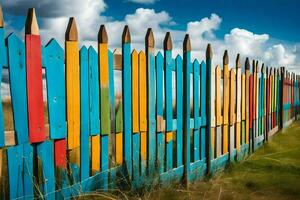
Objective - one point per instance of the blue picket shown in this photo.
(94, 92)
(84, 115)
(127, 112)
(168, 66)
(53, 60)
(179, 108)
(151, 112)
(196, 100)
(104, 161)
(17, 77)
(45, 153)
(203, 109)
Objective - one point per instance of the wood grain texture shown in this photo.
(17, 78)
(34, 89)
(56, 93)
(73, 93)
(104, 76)
(135, 92)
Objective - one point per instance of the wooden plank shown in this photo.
(187, 68)
(55, 79)
(143, 104)
(159, 62)
(196, 106)
(15, 171)
(238, 103)
(104, 76)
(168, 66)
(232, 112)
(243, 138)
(3, 62)
(17, 78)
(84, 115)
(45, 154)
(203, 110)
(179, 111)
(34, 80)
(94, 93)
(219, 118)
(136, 158)
(209, 105)
(72, 85)
(135, 91)
(60, 153)
(126, 78)
(225, 102)
(95, 155)
(247, 104)
(150, 62)
(104, 161)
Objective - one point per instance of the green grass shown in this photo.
(272, 172)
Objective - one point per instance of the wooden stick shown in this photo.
(1, 18)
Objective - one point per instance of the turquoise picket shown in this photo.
(53, 60)
(203, 110)
(179, 110)
(45, 153)
(159, 62)
(94, 92)
(136, 158)
(15, 171)
(168, 66)
(196, 135)
(151, 112)
(3, 62)
(104, 164)
(187, 68)
(84, 115)
(127, 112)
(111, 91)
(17, 77)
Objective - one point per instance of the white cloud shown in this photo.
(143, 1)
(89, 15)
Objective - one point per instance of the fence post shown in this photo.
(247, 68)
(225, 101)
(186, 107)
(282, 75)
(127, 113)
(209, 117)
(104, 75)
(150, 62)
(168, 100)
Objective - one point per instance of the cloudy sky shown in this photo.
(265, 30)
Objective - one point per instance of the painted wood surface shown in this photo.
(3, 62)
(35, 102)
(56, 98)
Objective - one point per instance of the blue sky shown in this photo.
(265, 30)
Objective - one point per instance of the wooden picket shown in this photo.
(101, 138)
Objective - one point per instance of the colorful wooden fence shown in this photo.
(97, 138)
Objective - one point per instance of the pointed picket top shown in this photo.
(256, 65)
(71, 32)
(187, 43)
(271, 71)
(102, 35)
(31, 25)
(209, 53)
(253, 65)
(149, 40)
(267, 71)
(168, 42)
(126, 38)
(1, 18)
(247, 64)
(237, 61)
(225, 58)
(263, 68)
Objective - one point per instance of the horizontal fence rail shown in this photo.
(175, 119)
